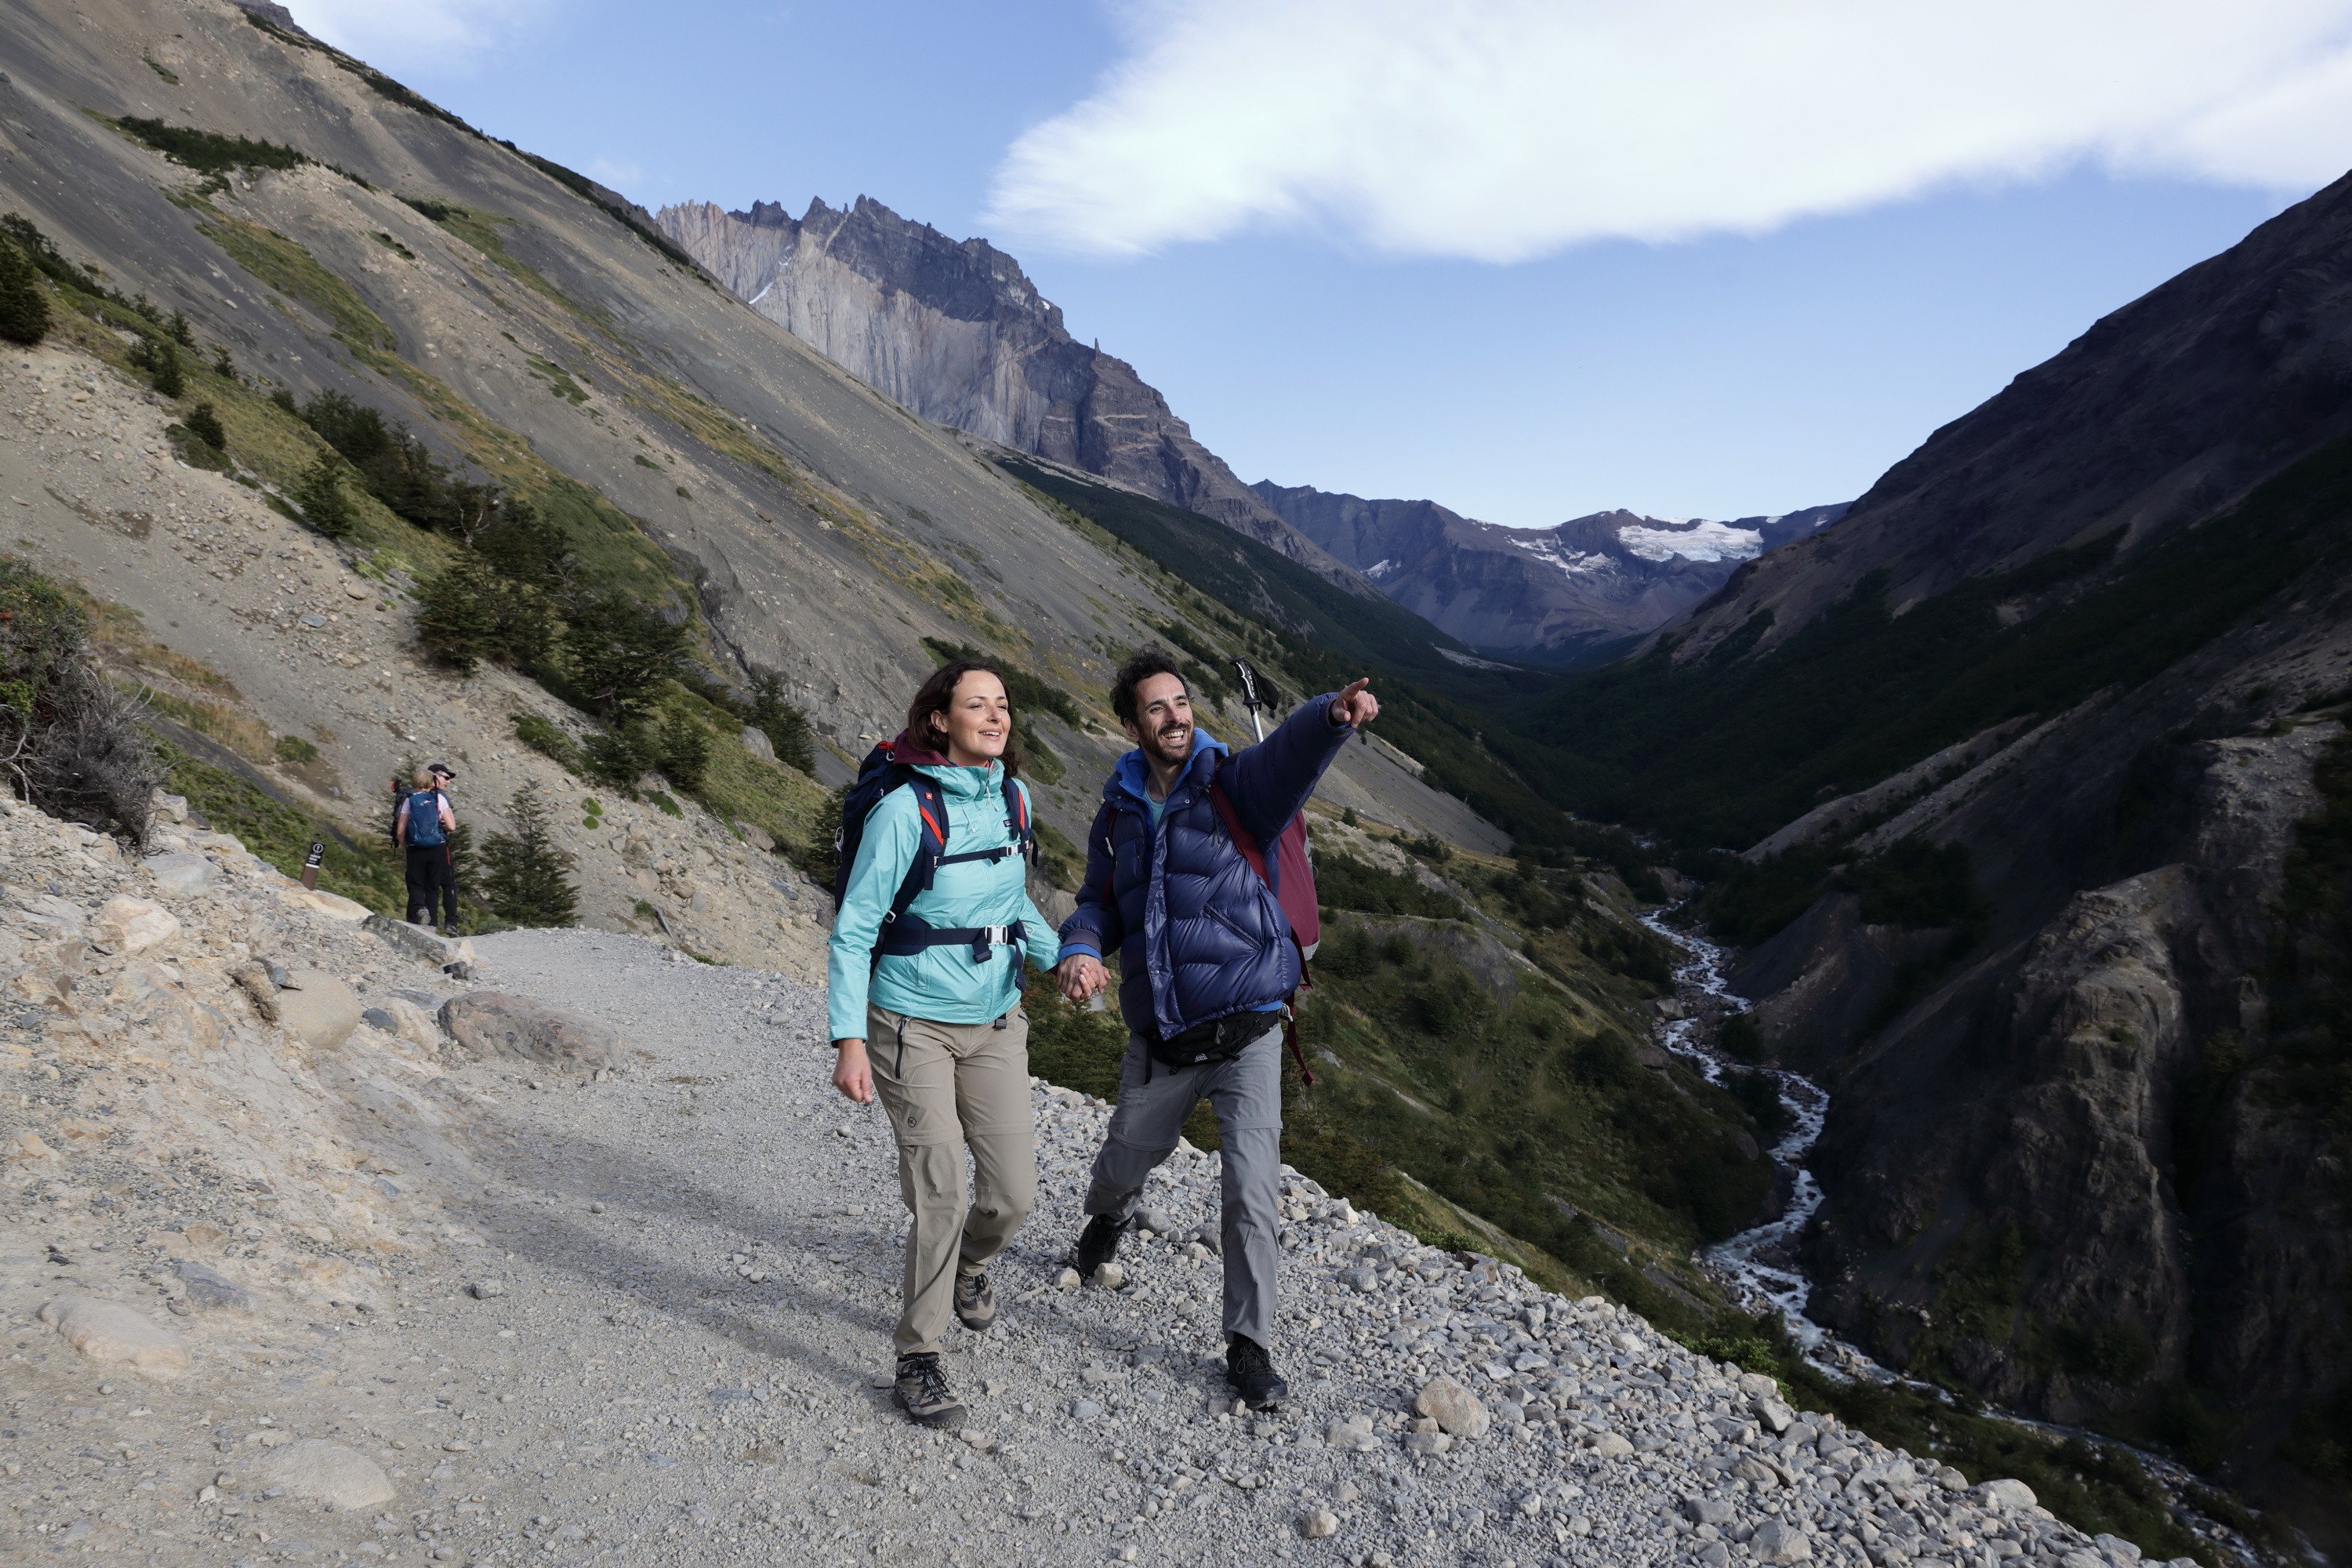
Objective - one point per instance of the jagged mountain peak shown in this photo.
(1565, 593)
(955, 331)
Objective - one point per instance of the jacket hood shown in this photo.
(955, 780)
(1132, 775)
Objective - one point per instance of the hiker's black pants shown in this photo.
(430, 871)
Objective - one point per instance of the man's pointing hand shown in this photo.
(1355, 705)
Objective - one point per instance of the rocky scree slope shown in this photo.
(2163, 413)
(958, 333)
(1570, 594)
(597, 1267)
(252, 631)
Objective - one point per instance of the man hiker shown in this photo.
(1207, 963)
(422, 828)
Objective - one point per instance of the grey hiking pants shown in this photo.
(1246, 1093)
(949, 1088)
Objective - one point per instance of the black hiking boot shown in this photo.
(923, 1394)
(1250, 1372)
(1098, 1244)
(975, 1302)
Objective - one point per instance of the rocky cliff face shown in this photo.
(1558, 594)
(2086, 1154)
(958, 333)
(2160, 415)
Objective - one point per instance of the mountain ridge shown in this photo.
(955, 331)
(1572, 593)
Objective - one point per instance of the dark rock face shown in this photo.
(1558, 594)
(2162, 413)
(957, 332)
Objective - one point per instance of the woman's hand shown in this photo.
(852, 1073)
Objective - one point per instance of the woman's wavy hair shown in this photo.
(937, 692)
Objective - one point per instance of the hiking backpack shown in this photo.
(1290, 874)
(424, 826)
(889, 767)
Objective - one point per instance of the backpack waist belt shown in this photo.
(912, 933)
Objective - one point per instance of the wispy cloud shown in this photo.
(412, 31)
(1507, 129)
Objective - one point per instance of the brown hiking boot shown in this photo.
(923, 1393)
(975, 1302)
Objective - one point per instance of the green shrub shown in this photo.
(208, 151)
(1344, 882)
(785, 723)
(23, 303)
(320, 493)
(683, 752)
(163, 369)
(542, 736)
(294, 750)
(620, 652)
(457, 614)
(526, 876)
(204, 425)
(620, 755)
(72, 745)
(179, 331)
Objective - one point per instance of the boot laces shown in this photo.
(930, 1383)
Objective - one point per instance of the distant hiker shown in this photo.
(933, 927)
(422, 828)
(1206, 959)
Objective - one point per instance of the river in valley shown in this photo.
(1758, 1267)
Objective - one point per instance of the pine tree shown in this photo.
(785, 723)
(23, 304)
(457, 614)
(526, 878)
(320, 493)
(204, 425)
(166, 358)
(181, 334)
(684, 752)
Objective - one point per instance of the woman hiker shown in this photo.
(924, 976)
(422, 828)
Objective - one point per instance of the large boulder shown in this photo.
(334, 905)
(329, 1473)
(134, 925)
(111, 1332)
(1455, 1408)
(318, 1008)
(490, 1024)
(182, 873)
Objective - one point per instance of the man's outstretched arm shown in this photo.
(1269, 782)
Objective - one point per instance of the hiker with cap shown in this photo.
(934, 926)
(1207, 962)
(422, 828)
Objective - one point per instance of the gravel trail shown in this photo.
(654, 1329)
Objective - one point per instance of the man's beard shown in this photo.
(1161, 747)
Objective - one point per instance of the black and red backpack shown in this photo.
(897, 764)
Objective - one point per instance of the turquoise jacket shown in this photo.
(940, 984)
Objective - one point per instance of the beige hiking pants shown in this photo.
(949, 1088)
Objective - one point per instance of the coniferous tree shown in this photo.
(684, 748)
(526, 876)
(785, 723)
(23, 304)
(204, 425)
(163, 359)
(320, 493)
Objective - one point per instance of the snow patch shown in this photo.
(1700, 542)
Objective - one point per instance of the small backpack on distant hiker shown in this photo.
(891, 766)
(424, 819)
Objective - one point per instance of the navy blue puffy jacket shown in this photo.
(1199, 936)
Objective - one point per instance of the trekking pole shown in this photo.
(1249, 695)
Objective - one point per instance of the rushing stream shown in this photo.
(1758, 1267)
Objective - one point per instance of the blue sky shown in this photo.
(1681, 282)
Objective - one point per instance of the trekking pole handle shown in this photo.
(1249, 695)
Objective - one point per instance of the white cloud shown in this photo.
(414, 31)
(1507, 129)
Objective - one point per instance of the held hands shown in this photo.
(1355, 705)
(852, 1073)
(1081, 977)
